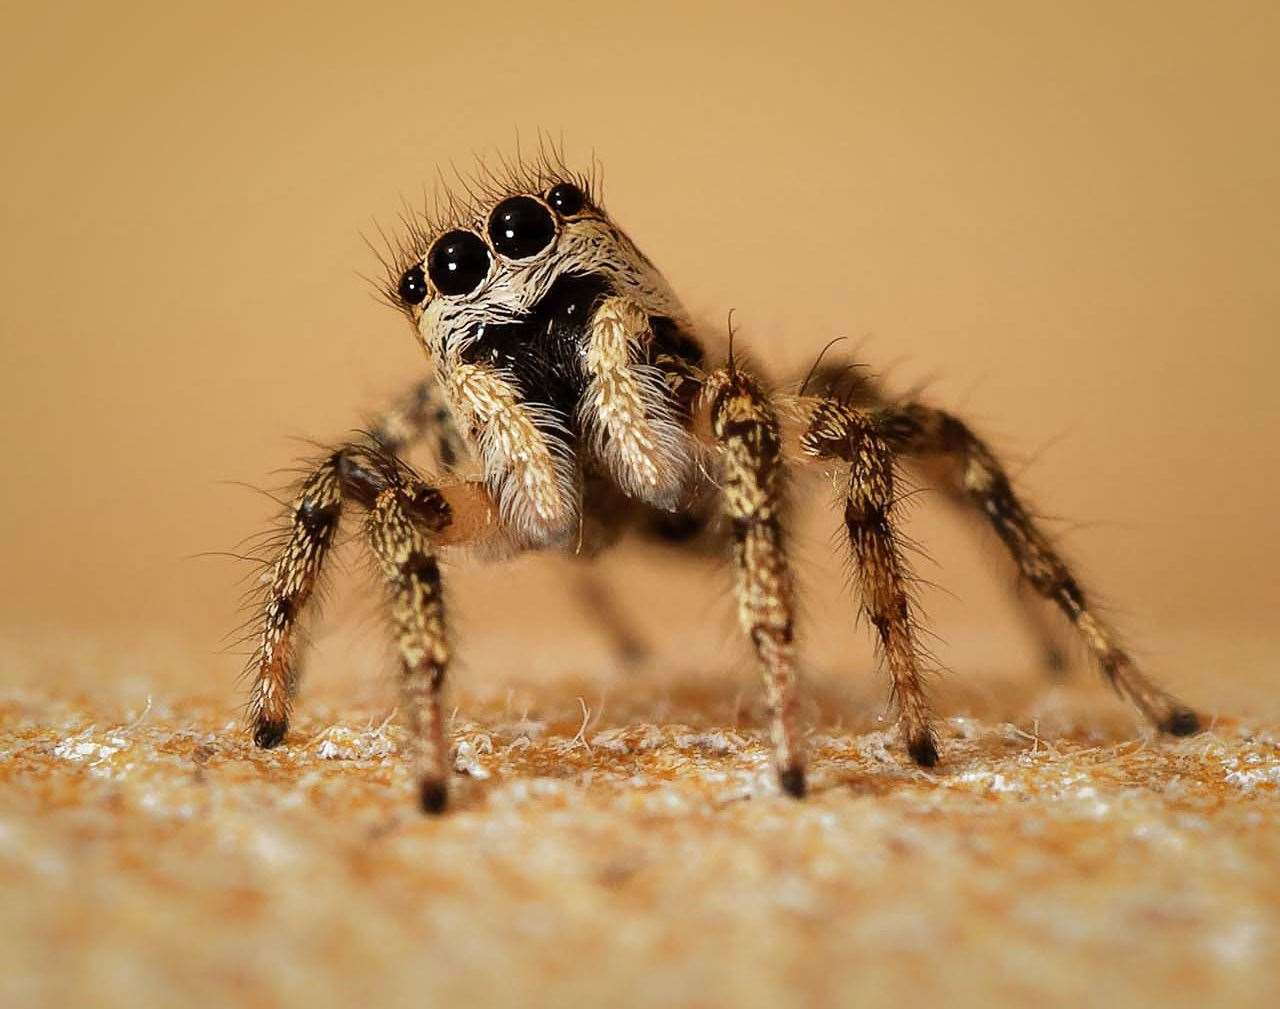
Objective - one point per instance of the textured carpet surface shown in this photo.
(620, 842)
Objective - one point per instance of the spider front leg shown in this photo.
(294, 573)
(745, 431)
(852, 436)
(412, 572)
(406, 520)
(925, 431)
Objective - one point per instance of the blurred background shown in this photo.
(1063, 217)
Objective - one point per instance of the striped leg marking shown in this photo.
(746, 433)
(405, 519)
(923, 430)
(293, 578)
(417, 612)
(852, 436)
(854, 387)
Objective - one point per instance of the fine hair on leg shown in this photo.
(412, 574)
(746, 434)
(405, 518)
(922, 430)
(855, 386)
(852, 436)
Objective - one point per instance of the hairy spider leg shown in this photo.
(922, 430)
(406, 520)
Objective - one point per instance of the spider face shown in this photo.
(496, 261)
(506, 296)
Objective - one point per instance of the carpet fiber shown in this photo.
(623, 843)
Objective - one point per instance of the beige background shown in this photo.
(1063, 215)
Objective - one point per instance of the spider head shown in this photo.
(519, 294)
(495, 260)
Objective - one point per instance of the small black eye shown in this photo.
(520, 227)
(413, 286)
(457, 262)
(566, 198)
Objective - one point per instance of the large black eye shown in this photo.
(566, 198)
(520, 227)
(457, 262)
(413, 286)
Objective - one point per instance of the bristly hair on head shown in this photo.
(463, 199)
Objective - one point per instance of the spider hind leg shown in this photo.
(854, 386)
(844, 433)
(924, 431)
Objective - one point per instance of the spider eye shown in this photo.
(520, 227)
(458, 262)
(566, 198)
(413, 286)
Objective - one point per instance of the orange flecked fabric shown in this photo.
(622, 842)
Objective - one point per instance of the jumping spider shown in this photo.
(573, 398)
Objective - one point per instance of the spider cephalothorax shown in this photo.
(572, 397)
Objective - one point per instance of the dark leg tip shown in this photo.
(434, 796)
(923, 750)
(1182, 722)
(269, 735)
(792, 781)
